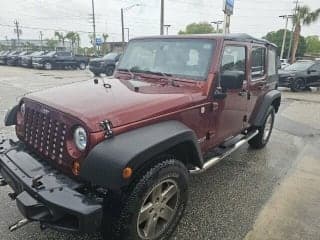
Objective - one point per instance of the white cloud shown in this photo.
(256, 17)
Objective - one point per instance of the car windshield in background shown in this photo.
(187, 58)
(299, 66)
(35, 54)
(110, 56)
(50, 54)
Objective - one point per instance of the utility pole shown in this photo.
(94, 28)
(41, 35)
(217, 23)
(286, 17)
(162, 18)
(122, 26)
(293, 26)
(18, 31)
(167, 26)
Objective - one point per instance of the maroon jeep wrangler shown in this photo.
(114, 154)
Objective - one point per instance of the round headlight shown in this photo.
(80, 138)
(23, 109)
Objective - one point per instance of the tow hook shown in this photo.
(13, 196)
(19, 224)
(2, 182)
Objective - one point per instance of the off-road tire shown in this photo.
(260, 140)
(109, 70)
(298, 85)
(126, 226)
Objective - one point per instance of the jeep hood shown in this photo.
(120, 101)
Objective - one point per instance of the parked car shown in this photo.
(15, 59)
(105, 64)
(26, 61)
(115, 154)
(60, 59)
(300, 75)
(284, 63)
(4, 56)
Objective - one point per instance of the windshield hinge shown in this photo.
(107, 127)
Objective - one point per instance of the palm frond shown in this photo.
(311, 17)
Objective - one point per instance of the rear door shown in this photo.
(257, 84)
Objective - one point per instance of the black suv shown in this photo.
(106, 64)
(300, 75)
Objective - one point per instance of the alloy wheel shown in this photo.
(158, 209)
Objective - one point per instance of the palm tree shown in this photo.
(73, 37)
(105, 37)
(303, 16)
(60, 37)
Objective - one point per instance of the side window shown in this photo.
(316, 67)
(234, 59)
(272, 62)
(258, 59)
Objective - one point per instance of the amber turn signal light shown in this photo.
(76, 168)
(127, 173)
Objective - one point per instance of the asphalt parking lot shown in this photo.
(265, 194)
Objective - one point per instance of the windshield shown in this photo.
(187, 58)
(23, 53)
(110, 56)
(299, 66)
(35, 54)
(50, 54)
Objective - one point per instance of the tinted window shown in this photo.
(272, 62)
(234, 59)
(65, 54)
(258, 62)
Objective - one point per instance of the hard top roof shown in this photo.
(239, 37)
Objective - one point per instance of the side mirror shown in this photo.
(311, 71)
(232, 80)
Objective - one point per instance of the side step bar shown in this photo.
(211, 162)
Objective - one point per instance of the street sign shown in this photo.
(228, 7)
(98, 41)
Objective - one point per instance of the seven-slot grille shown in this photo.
(45, 135)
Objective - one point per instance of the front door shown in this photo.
(231, 117)
(313, 78)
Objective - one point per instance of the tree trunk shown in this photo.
(296, 38)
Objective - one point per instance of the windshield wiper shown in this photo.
(127, 70)
(166, 75)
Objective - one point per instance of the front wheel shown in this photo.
(82, 66)
(298, 85)
(155, 203)
(109, 70)
(47, 66)
(260, 140)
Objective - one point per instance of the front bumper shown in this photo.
(37, 65)
(45, 195)
(97, 69)
(285, 82)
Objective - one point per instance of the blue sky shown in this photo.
(255, 17)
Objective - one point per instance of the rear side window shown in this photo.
(234, 59)
(272, 62)
(258, 62)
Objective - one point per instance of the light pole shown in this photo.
(128, 29)
(217, 23)
(166, 26)
(286, 17)
(162, 18)
(94, 28)
(122, 18)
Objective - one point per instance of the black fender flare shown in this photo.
(271, 98)
(105, 163)
(11, 116)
